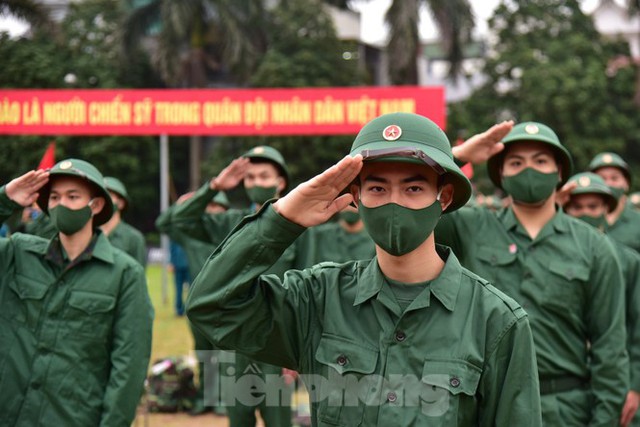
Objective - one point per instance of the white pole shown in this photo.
(164, 204)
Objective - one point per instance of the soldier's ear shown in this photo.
(446, 196)
(282, 183)
(354, 189)
(96, 205)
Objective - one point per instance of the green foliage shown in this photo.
(303, 52)
(550, 66)
(88, 50)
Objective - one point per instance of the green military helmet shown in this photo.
(532, 131)
(591, 183)
(116, 186)
(221, 199)
(609, 159)
(407, 137)
(264, 152)
(84, 170)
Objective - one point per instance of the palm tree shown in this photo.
(454, 19)
(195, 38)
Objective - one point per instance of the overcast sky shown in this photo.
(373, 30)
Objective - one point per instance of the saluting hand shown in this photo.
(480, 147)
(563, 195)
(230, 176)
(315, 201)
(24, 189)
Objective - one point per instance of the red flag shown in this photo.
(49, 158)
(467, 169)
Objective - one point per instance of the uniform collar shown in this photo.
(99, 247)
(558, 222)
(444, 288)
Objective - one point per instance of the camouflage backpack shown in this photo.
(170, 386)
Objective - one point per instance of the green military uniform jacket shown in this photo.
(41, 226)
(630, 263)
(461, 355)
(190, 221)
(626, 229)
(197, 250)
(76, 337)
(568, 279)
(334, 243)
(130, 240)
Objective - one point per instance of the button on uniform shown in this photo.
(392, 397)
(342, 360)
(400, 336)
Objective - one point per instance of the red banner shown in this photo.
(310, 111)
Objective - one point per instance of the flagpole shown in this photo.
(164, 204)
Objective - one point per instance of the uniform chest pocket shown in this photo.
(25, 300)
(342, 388)
(567, 281)
(495, 256)
(448, 395)
(490, 261)
(90, 314)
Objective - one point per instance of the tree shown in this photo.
(549, 65)
(86, 48)
(304, 51)
(454, 19)
(197, 42)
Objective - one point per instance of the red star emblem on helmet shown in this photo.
(391, 132)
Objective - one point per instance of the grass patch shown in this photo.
(171, 334)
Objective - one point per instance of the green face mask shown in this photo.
(350, 217)
(617, 192)
(260, 195)
(530, 185)
(69, 221)
(399, 230)
(599, 222)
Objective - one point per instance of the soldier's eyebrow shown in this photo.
(414, 178)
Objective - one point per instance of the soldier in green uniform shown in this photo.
(407, 338)
(41, 225)
(342, 240)
(264, 174)
(563, 273)
(75, 315)
(624, 221)
(591, 200)
(122, 235)
(197, 252)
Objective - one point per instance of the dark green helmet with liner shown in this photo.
(116, 186)
(85, 170)
(532, 131)
(613, 160)
(591, 183)
(407, 137)
(264, 152)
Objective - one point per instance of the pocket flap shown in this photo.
(457, 376)
(91, 302)
(28, 288)
(569, 271)
(344, 355)
(495, 256)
